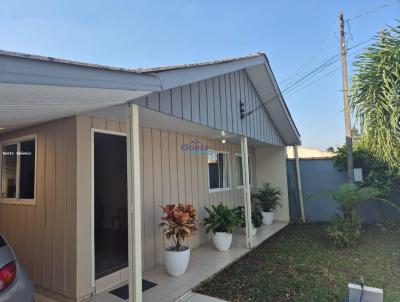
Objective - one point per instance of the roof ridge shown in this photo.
(203, 63)
(133, 70)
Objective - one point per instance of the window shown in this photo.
(18, 169)
(239, 171)
(218, 170)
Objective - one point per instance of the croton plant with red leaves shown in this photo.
(178, 223)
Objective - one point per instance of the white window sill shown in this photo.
(17, 201)
(242, 187)
(218, 190)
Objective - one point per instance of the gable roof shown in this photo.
(259, 72)
(27, 69)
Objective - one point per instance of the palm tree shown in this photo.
(375, 95)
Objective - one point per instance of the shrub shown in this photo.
(267, 197)
(256, 216)
(178, 223)
(349, 196)
(344, 232)
(220, 219)
(376, 172)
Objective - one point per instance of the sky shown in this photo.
(296, 35)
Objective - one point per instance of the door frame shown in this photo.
(92, 222)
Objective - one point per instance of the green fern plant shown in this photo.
(267, 197)
(220, 219)
(349, 196)
(256, 216)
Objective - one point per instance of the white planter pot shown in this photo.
(176, 262)
(222, 241)
(268, 217)
(253, 231)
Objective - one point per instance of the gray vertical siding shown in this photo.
(215, 103)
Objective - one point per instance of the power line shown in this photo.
(320, 78)
(370, 11)
(333, 34)
(311, 58)
(297, 83)
(321, 67)
(334, 59)
(311, 73)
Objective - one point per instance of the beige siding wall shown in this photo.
(271, 167)
(43, 235)
(168, 175)
(52, 238)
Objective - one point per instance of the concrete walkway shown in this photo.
(205, 261)
(193, 297)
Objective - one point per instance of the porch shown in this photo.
(205, 261)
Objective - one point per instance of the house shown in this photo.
(309, 153)
(89, 153)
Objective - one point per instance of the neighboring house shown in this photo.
(101, 142)
(308, 153)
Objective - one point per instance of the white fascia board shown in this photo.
(183, 76)
(25, 70)
(263, 80)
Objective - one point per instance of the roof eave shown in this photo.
(274, 102)
(18, 68)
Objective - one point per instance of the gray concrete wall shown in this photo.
(320, 174)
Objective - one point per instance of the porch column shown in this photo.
(246, 192)
(299, 186)
(134, 224)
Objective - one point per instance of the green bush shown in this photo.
(256, 216)
(344, 232)
(267, 197)
(220, 219)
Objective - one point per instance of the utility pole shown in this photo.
(382, 34)
(349, 140)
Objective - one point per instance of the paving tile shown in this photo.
(166, 288)
(149, 296)
(205, 261)
(202, 298)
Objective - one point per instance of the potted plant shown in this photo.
(267, 197)
(178, 224)
(221, 221)
(256, 218)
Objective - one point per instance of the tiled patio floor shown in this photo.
(205, 261)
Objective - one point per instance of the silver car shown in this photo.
(15, 284)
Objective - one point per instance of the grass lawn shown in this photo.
(299, 264)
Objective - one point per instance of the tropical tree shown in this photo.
(376, 172)
(344, 228)
(375, 96)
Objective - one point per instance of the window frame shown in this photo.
(241, 187)
(17, 200)
(215, 190)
